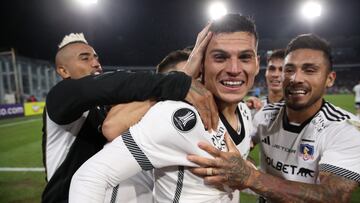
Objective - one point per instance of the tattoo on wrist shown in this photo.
(240, 172)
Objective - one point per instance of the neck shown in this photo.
(275, 96)
(301, 115)
(229, 112)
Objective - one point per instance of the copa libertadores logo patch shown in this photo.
(184, 119)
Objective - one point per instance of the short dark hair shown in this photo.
(234, 22)
(276, 54)
(171, 60)
(311, 41)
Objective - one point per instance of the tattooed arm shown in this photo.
(231, 169)
(332, 188)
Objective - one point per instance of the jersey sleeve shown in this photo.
(341, 152)
(168, 133)
(113, 164)
(69, 99)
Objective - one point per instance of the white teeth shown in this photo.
(97, 73)
(233, 83)
(275, 81)
(298, 92)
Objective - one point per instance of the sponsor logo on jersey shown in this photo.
(184, 119)
(266, 141)
(306, 152)
(218, 139)
(289, 168)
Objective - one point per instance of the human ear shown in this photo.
(330, 80)
(63, 72)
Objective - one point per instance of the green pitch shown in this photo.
(20, 146)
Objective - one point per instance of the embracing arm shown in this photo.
(122, 116)
(332, 188)
(70, 98)
(231, 169)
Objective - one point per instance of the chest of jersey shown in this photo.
(290, 155)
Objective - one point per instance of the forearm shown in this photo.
(106, 169)
(70, 98)
(122, 116)
(281, 190)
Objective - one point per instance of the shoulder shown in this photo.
(337, 122)
(269, 112)
(332, 113)
(171, 115)
(172, 107)
(245, 111)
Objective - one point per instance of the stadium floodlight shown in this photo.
(87, 2)
(311, 10)
(217, 10)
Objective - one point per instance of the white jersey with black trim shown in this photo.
(329, 141)
(168, 132)
(356, 90)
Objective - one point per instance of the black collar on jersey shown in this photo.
(268, 101)
(237, 138)
(294, 128)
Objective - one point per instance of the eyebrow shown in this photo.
(310, 64)
(241, 52)
(289, 65)
(87, 54)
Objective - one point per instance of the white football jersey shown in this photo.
(356, 90)
(168, 132)
(329, 141)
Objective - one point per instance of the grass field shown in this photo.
(20, 146)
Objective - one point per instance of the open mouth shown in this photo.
(275, 82)
(96, 73)
(232, 83)
(297, 92)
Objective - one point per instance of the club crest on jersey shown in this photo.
(184, 119)
(307, 152)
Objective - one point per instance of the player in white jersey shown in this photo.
(310, 148)
(275, 62)
(356, 90)
(171, 130)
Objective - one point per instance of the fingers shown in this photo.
(230, 143)
(203, 34)
(204, 103)
(201, 161)
(194, 63)
(211, 150)
(205, 42)
(215, 180)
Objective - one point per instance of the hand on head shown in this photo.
(194, 64)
